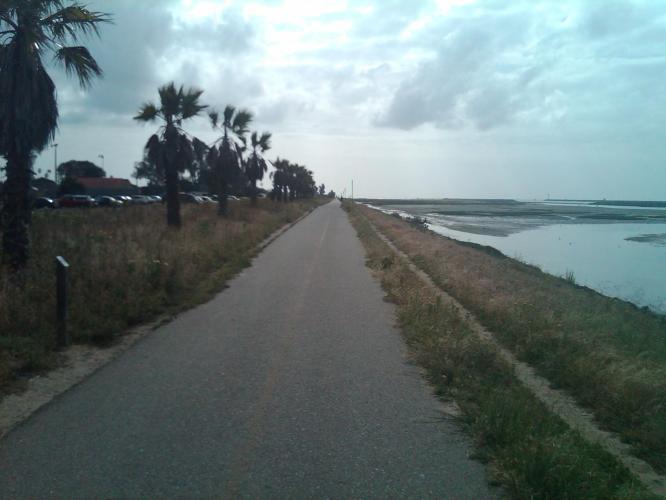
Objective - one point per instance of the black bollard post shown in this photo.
(62, 269)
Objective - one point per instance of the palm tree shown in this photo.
(195, 169)
(257, 165)
(225, 157)
(29, 29)
(170, 149)
(279, 176)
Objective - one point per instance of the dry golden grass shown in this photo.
(127, 267)
(610, 355)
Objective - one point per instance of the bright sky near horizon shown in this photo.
(423, 98)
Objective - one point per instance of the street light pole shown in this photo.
(102, 157)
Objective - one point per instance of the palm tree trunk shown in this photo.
(253, 192)
(222, 198)
(16, 211)
(172, 198)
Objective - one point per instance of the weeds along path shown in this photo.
(557, 401)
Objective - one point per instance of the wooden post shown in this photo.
(62, 269)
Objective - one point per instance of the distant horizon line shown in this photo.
(582, 200)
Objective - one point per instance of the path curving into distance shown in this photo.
(293, 382)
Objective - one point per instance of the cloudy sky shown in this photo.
(432, 98)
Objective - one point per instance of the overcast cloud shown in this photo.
(410, 98)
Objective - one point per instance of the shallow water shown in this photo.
(597, 253)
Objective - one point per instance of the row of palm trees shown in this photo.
(291, 181)
(31, 30)
(172, 151)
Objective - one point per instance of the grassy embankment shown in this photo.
(531, 451)
(609, 354)
(127, 267)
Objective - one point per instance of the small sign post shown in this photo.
(62, 270)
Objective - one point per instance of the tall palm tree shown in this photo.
(279, 176)
(170, 149)
(225, 157)
(29, 30)
(257, 164)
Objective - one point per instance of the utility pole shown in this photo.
(352, 189)
(55, 162)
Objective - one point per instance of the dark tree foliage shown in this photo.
(147, 170)
(257, 164)
(171, 150)
(225, 158)
(29, 31)
(70, 185)
(292, 181)
(76, 168)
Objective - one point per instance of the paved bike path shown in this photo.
(293, 382)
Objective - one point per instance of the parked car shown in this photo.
(108, 201)
(139, 199)
(189, 198)
(43, 202)
(75, 201)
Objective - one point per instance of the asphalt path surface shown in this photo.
(293, 382)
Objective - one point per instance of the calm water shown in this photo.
(597, 253)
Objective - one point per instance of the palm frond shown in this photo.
(214, 118)
(147, 113)
(265, 141)
(200, 149)
(170, 100)
(228, 115)
(241, 122)
(190, 105)
(73, 20)
(78, 60)
(153, 152)
(185, 154)
(212, 157)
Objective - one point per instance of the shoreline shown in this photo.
(607, 353)
(616, 257)
(518, 416)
